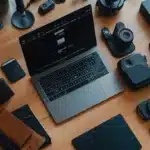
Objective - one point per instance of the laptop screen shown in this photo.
(62, 39)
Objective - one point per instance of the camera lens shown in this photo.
(126, 35)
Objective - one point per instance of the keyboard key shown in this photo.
(73, 76)
(77, 86)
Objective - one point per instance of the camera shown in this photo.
(120, 43)
(109, 7)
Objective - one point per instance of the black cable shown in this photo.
(28, 4)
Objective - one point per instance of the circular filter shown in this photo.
(126, 35)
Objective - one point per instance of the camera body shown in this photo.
(134, 70)
(120, 43)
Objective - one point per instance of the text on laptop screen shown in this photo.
(62, 39)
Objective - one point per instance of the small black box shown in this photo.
(12, 70)
(5, 92)
(135, 71)
(145, 10)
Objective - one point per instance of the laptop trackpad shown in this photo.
(111, 84)
(86, 97)
(77, 101)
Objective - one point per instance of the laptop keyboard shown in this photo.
(73, 76)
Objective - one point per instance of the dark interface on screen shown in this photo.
(60, 40)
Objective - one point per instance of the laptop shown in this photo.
(65, 66)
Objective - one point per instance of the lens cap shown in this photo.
(126, 35)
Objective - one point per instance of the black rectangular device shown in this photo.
(12, 70)
(130, 69)
(27, 117)
(58, 41)
(113, 134)
(46, 7)
(5, 92)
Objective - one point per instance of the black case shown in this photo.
(134, 70)
(5, 92)
(46, 7)
(12, 70)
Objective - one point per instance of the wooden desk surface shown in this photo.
(124, 103)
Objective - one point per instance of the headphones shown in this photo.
(109, 7)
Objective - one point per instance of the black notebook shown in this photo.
(113, 134)
(27, 117)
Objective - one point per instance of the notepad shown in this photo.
(26, 115)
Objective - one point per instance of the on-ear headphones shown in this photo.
(109, 7)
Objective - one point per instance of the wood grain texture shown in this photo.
(124, 104)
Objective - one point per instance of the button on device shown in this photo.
(129, 63)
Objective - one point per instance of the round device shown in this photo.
(22, 21)
(109, 7)
(126, 35)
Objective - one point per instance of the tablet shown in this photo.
(113, 134)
